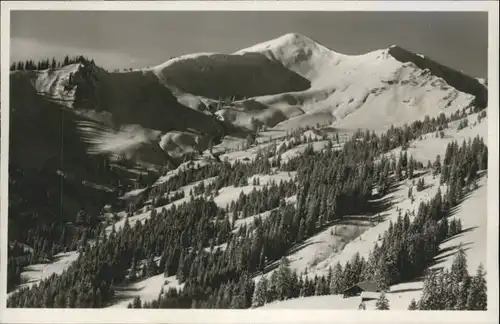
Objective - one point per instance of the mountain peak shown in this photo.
(293, 36)
(287, 42)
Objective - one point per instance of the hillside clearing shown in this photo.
(148, 290)
(34, 273)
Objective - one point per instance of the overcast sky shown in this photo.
(138, 39)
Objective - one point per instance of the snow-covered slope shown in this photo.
(35, 273)
(299, 54)
(473, 214)
(148, 290)
(54, 84)
(330, 246)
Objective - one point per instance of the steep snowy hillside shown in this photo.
(339, 244)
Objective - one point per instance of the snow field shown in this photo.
(148, 290)
(35, 273)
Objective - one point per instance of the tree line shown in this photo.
(453, 289)
(32, 65)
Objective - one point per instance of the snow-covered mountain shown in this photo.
(286, 82)
(377, 89)
(383, 87)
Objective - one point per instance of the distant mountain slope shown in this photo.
(374, 90)
(220, 75)
(118, 98)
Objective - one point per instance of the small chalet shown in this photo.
(366, 289)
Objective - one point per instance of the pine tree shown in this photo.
(284, 278)
(411, 168)
(238, 301)
(462, 294)
(295, 285)
(445, 173)
(312, 217)
(477, 296)
(132, 274)
(302, 231)
(60, 300)
(80, 299)
(459, 266)
(71, 299)
(430, 294)
(410, 192)
(260, 293)
(437, 165)
(137, 303)
(382, 302)
(151, 268)
(336, 283)
(382, 275)
(162, 264)
(420, 184)
(448, 291)
(413, 305)
(272, 291)
(399, 174)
